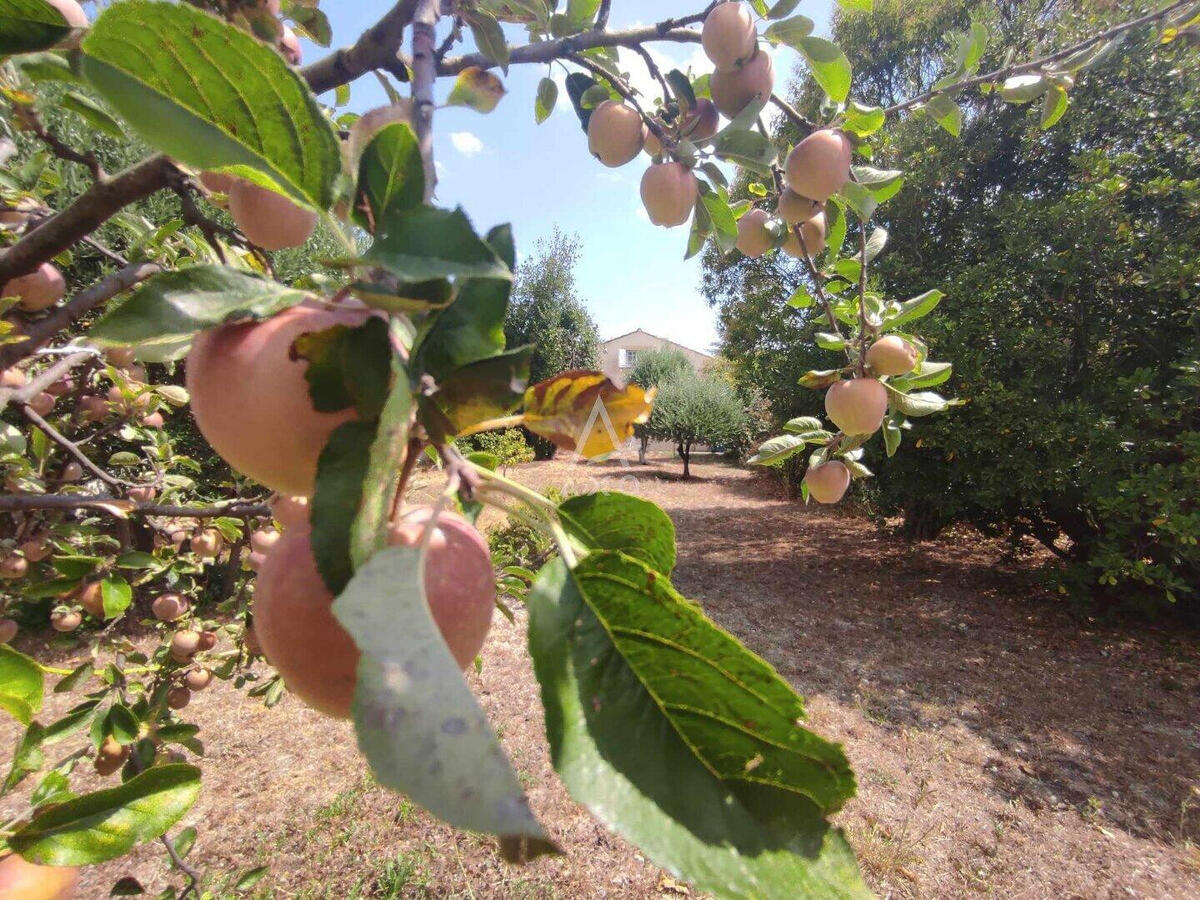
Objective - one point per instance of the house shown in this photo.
(619, 355)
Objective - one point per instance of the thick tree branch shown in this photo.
(377, 48)
(93, 207)
(424, 53)
(1035, 65)
(40, 332)
(548, 51)
(118, 506)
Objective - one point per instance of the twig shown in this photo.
(193, 885)
(67, 444)
(28, 115)
(1041, 62)
(807, 125)
(119, 506)
(93, 207)
(655, 73)
(862, 299)
(38, 333)
(424, 37)
(454, 35)
(602, 15)
(46, 378)
(627, 92)
(377, 48)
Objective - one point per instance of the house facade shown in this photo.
(619, 355)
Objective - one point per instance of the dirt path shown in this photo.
(1002, 747)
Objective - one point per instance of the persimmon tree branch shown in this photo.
(376, 48)
(1041, 62)
(119, 506)
(38, 333)
(91, 210)
(548, 51)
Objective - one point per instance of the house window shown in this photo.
(626, 358)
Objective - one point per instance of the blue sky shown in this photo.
(503, 167)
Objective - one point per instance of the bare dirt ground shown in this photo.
(1003, 747)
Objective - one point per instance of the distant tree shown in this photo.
(693, 409)
(546, 311)
(652, 368)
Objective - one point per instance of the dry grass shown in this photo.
(1003, 748)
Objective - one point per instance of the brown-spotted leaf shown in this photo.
(586, 411)
(477, 88)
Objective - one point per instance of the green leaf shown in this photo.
(946, 113)
(782, 8)
(368, 532)
(136, 559)
(116, 594)
(184, 841)
(73, 566)
(577, 85)
(213, 97)
(802, 425)
(581, 13)
(427, 242)
(20, 685)
(27, 25)
(122, 724)
(50, 66)
(27, 757)
(547, 97)
(1023, 88)
(829, 66)
(681, 740)
(928, 374)
(348, 367)
(911, 310)
(391, 175)
(93, 113)
(608, 520)
(166, 312)
(857, 5)
(250, 878)
(1054, 104)
(801, 298)
(724, 225)
(341, 474)
(790, 31)
(484, 389)
(777, 450)
(78, 676)
(682, 86)
(418, 724)
(828, 341)
(891, 435)
(489, 37)
(109, 823)
(863, 120)
(748, 149)
(922, 403)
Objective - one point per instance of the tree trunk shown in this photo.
(643, 443)
(685, 450)
(921, 522)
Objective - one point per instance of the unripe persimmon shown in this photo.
(317, 658)
(121, 357)
(8, 630)
(169, 607)
(178, 697)
(154, 420)
(289, 511)
(72, 12)
(615, 133)
(795, 209)
(21, 880)
(827, 483)
(197, 679)
(93, 408)
(65, 620)
(269, 219)
(142, 493)
(110, 757)
(40, 289)
(813, 233)
(12, 566)
(251, 401)
(289, 46)
(892, 355)
(819, 165)
(734, 89)
(263, 540)
(701, 121)
(185, 643)
(857, 405)
(669, 192)
(36, 549)
(753, 238)
(42, 404)
(217, 182)
(91, 597)
(208, 543)
(728, 36)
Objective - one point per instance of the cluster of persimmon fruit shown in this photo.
(815, 169)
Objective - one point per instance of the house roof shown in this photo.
(657, 338)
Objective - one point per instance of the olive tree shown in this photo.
(327, 389)
(693, 409)
(651, 368)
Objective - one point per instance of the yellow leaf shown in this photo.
(586, 412)
(477, 88)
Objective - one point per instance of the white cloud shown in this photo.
(466, 143)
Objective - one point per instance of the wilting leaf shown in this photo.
(476, 88)
(586, 412)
